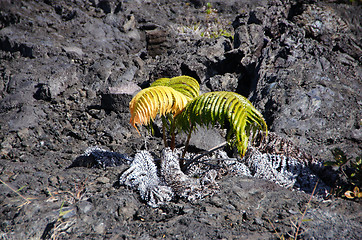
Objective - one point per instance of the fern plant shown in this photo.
(178, 103)
(223, 107)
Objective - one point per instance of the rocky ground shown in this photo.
(69, 68)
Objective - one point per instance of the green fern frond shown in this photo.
(223, 107)
(151, 101)
(184, 84)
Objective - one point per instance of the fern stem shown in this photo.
(164, 131)
(173, 135)
(187, 143)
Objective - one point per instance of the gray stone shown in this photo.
(205, 138)
(85, 206)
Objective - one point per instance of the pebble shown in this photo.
(85, 206)
(100, 228)
(103, 180)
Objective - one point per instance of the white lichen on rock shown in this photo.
(274, 159)
(277, 159)
(142, 175)
(285, 171)
(156, 190)
(183, 185)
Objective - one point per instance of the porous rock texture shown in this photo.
(143, 176)
(69, 68)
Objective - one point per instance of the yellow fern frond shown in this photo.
(184, 84)
(151, 101)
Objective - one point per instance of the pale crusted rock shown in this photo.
(183, 185)
(285, 171)
(272, 158)
(142, 175)
(275, 144)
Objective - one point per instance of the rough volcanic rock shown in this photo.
(67, 69)
(307, 84)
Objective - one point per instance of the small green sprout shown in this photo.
(351, 170)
